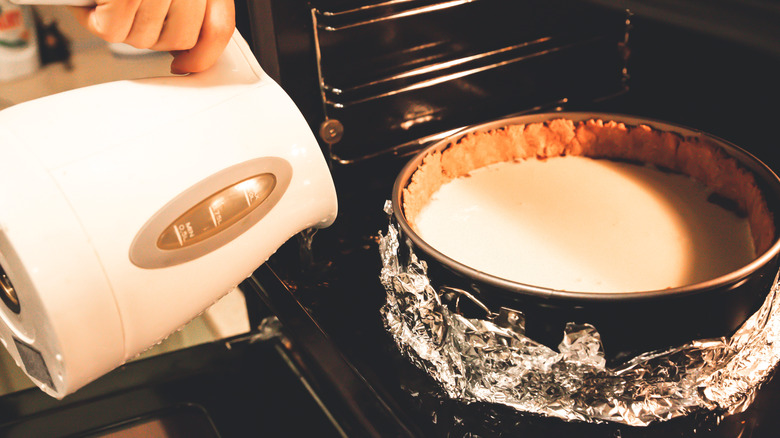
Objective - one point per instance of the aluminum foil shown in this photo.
(478, 360)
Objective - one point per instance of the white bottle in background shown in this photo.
(18, 41)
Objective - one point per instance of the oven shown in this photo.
(377, 81)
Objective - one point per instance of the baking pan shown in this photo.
(629, 322)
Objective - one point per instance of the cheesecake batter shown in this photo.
(581, 224)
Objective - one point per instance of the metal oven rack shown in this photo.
(390, 73)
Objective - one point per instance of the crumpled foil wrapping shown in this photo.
(476, 360)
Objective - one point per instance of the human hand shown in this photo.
(194, 31)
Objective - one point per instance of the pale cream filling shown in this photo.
(579, 224)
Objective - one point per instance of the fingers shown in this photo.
(196, 31)
(148, 24)
(110, 20)
(182, 26)
(218, 25)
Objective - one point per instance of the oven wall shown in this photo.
(677, 69)
(725, 87)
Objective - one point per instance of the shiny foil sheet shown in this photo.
(480, 360)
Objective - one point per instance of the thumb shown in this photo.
(110, 21)
(82, 15)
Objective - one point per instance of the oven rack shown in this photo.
(401, 70)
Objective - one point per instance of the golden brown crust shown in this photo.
(595, 138)
(656, 147)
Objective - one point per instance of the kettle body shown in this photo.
(113, 234)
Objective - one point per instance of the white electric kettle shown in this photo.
(113, 234)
